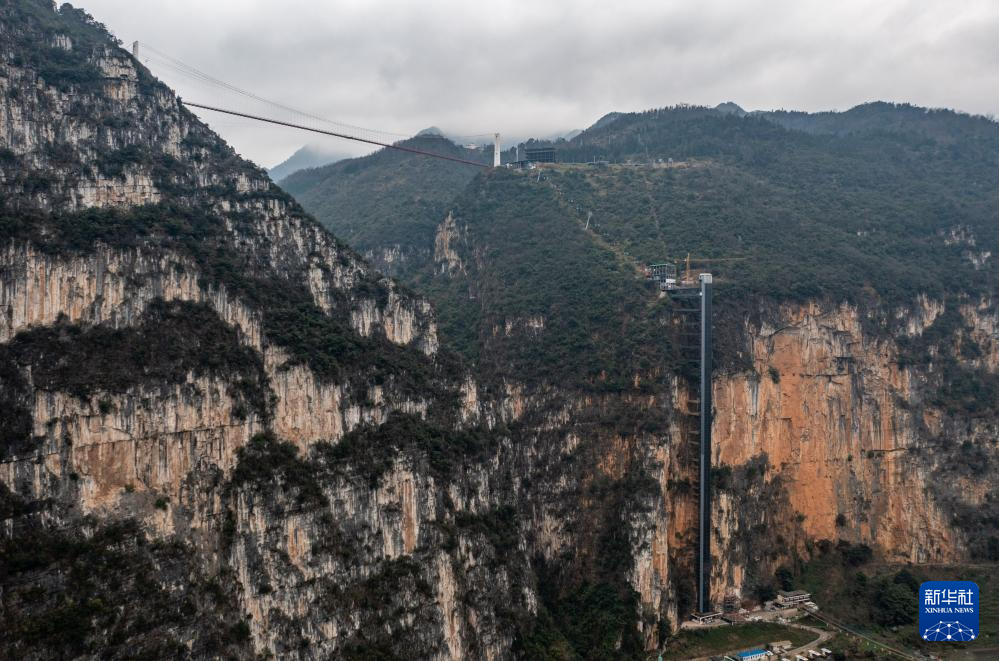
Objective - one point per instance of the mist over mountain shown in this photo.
(730, 108)
(317, 155)
(308, 156)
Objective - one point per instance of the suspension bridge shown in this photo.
(388, 140)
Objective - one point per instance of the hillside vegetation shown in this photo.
(590, 320)
(388, 199)
(873, 206)
(882, 199)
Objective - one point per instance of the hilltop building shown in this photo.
(540, 154)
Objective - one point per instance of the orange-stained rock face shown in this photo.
(843, 427)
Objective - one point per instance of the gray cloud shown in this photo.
(532, 68)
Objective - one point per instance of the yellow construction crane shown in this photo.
(665, 273)
(688, 274)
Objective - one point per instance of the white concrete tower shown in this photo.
(496, 150)
(135, 49)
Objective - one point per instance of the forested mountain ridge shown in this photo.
(875, 207)
(942, 124)
(402, 198)
(877, 203)
(878, 186)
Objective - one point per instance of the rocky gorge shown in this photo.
(224, 432)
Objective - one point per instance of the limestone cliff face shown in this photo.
(838, 431)
(445, 253)
(849, 439)
(120, 200)
(602, 475)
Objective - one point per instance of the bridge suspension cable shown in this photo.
(346, 131)
(387, 145)
(193, 73)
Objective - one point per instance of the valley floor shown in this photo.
(702, 643)
(834, 586)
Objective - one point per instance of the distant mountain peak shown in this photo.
(606, 119)
(308, 156)
(431, 130)
(730, 108)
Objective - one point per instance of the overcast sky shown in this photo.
(533, 68)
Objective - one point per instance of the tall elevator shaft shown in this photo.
(704, 463)
(691, 306)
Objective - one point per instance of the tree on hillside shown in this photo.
(896, 604)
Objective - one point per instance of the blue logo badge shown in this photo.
(948, 610)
